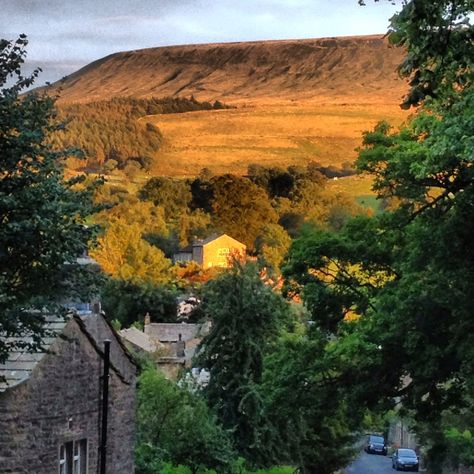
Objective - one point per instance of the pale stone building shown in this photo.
(215, 251)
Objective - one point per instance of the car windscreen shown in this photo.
(377, 439)
(407, 453)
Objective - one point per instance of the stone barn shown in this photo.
(215, 251)
(50, 402)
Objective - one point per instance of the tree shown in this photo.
(272, 246)
(240, 208)
(407, 273)
(42, 215)
(148, 217)
(437, 37)
(124, 254)
(129, 302)
(176, 425)
(246, 315)
(310, 411)
(173, 195)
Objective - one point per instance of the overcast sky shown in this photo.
(67, 34)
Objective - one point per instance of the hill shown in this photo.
(360, 68)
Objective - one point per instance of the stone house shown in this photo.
(50, 402)
(138, 341)
(172, 345)
(215, 251)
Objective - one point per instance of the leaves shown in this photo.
(42, 216)
(246, 315)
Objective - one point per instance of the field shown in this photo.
(296, 101)
(268, 134)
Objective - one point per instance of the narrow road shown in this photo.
(370, 464)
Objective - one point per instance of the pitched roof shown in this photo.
(20, 363)
(169, 332)
(211, 238)
(139, 339)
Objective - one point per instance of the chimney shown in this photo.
(147, 319)
(96, 307)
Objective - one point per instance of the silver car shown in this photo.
(405, 460)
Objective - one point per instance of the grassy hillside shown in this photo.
(296, 101)
(271, 135)
(331, 68)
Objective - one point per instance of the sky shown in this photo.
(65, 35)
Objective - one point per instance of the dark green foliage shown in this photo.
(42, 215)
(129, 302)
(202, 194)
(175, 424)
(307, 406)
(438, 39)
(240, 208)
(408, 272)
(246, 317)
(172, 194)
(292, 222)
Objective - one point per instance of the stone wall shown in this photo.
(60, 402)
(400, 436)
(219, 252)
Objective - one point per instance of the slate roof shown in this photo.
(20, 363)
(139, 339)
(169, 332)
(207, 239)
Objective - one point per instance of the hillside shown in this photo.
(362, 69)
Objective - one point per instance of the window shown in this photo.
(73, 457)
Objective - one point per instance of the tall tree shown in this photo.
(246, 315)
(240, 208)
(125, 255)
(175, 424)
(312, 418)
(42, 215)
(408, 272)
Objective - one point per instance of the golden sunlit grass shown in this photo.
(357, 185)
(270, 135)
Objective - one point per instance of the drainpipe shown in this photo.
(105, 407)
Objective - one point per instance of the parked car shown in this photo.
(375, 445)
(405, 460)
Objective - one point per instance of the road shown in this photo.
(370, 464)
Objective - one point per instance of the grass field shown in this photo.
(270, 135)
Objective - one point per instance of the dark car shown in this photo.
(376, 445)
(405, 460)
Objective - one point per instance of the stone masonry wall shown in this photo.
(219, 252)
(61, 403)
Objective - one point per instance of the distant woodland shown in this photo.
(111, 135)
(264, 210)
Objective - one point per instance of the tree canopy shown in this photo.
(42, 215)
(175, 424)
(246, 316)
(395, 289)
